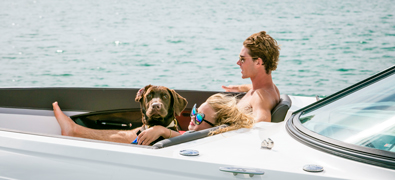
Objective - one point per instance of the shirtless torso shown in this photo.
(259, 102)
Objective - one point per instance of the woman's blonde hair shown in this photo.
(227, 113)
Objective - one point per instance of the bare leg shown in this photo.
(69, 128)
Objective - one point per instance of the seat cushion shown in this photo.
(280, 111)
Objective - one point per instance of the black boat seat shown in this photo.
(280, 111)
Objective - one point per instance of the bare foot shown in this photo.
(66, 124)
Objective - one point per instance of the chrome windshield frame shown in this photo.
(358, 153)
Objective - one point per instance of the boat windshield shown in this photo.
(365, 117)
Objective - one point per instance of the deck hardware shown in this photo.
(236, 170)
(189, 152)
(267, 143)
(313, 168)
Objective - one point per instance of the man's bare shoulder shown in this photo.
(269, 96)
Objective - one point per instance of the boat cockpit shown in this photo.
(96, 108)
(131, 118)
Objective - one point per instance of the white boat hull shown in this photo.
(38, 151)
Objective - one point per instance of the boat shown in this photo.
(347, 135)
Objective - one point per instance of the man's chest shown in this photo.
(245, 102)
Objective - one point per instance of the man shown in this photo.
(258, 58)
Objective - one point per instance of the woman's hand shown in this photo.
(150, 135)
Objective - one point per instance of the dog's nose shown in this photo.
(156, 105)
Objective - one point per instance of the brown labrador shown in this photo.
(159, 106)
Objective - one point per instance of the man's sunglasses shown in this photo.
(199, 117)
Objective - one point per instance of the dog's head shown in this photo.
(159, 105)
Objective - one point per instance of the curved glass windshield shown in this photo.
(365, 117)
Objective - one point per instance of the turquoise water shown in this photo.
(184, 44)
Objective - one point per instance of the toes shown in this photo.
(56, 109)
(55, 105)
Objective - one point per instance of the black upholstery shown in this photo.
(280, 111)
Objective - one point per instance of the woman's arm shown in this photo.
(153, 133)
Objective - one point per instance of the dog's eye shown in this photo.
(165, 96)
(149, 96)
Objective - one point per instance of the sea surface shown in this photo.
(194, 45)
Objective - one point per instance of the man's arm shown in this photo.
(237, 88)
(261, 106)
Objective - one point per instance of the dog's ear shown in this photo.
(179, 104)
(141, 92)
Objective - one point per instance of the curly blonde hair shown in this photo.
(227, 113)
(261, 45)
